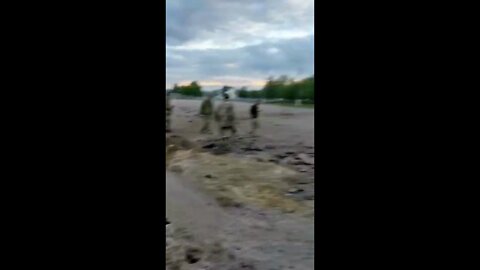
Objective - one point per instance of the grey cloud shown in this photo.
(201, 19)
(247, 22)
(294, 58)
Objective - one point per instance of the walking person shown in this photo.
(225, 116)
(206, 111)
(254, 117)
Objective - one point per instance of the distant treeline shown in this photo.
(194, 89)
(279, 88)
(283, 88)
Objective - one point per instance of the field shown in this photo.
(245, 202)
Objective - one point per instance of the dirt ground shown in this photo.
(279, 125)
(284, 133)
(244, 202)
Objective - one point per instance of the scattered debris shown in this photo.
(295, 190)
(193, 255)
(303, 169)
(306, 159)
(209, 146)
(252, 148)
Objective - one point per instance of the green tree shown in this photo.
(286, 88)
(242, 92)
(194, 89)
(269, 88)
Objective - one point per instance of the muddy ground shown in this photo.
(245, 202)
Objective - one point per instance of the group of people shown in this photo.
(224, 116)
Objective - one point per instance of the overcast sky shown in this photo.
(238, 42)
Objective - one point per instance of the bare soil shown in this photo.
(244, 202)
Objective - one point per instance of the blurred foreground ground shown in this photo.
(242, 203)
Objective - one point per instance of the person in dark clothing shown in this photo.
(254, 117)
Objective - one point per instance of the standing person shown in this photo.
(254, 117)
(206, 111)
(168, 112)
(225, 116)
